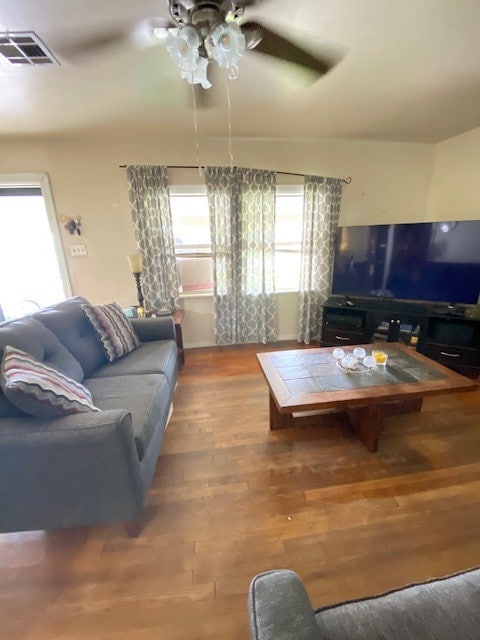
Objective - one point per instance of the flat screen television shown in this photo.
(433, 261)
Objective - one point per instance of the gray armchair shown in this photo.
(441, 609)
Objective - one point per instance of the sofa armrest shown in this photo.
(280, 609)
(150, 329)
(69, 471)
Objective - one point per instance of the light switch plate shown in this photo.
(78, 250)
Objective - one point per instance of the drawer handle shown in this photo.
(344, 339)
(450, 355)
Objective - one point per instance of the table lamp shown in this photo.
(136, 267)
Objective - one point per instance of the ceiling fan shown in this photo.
(199, 32)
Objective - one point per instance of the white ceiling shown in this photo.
(411, 72)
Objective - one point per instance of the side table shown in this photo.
(178, 316)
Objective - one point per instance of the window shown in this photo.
(31, 257)
(191, 232)
(288, 237)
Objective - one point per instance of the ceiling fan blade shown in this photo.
(91, 44)
(101, 42)
(249, 3)
(264, 40)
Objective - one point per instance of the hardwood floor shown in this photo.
(231, 499)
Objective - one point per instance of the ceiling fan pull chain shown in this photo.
(229, 121)
(195, 131)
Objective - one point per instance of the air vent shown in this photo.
(25, 48)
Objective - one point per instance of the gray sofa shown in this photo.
(90, 467)
(443, 609)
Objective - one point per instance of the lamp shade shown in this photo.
(135, 262)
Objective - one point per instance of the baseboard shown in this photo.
(196, 345)
(286, 338)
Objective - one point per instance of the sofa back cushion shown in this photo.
(72, 327)
(31, 336)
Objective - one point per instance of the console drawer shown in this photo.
(449, 354)
(332, 336)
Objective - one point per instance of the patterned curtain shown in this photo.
(152, 223)
(242, 225)
(321, 210)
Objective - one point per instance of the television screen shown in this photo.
(435, 261)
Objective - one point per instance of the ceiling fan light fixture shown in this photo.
(226, 44)
(445, 227)
(205, 30)
(160, 33)
(184, 47)
(198, 74)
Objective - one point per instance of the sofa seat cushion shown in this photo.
(150, 357)
(74, 330)
(146, 397)
(34, 338)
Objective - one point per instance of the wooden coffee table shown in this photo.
(303, 380)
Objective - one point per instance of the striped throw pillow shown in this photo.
(41, 390)
(113, 327)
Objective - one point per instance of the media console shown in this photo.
(449, 336)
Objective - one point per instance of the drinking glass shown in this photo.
(369, 362)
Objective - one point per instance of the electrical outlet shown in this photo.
(78, 250)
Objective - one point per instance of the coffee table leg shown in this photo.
(279, 420)
(368, 424)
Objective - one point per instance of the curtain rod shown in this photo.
(283, 173)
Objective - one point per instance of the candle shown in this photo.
(135, 262)
(380, 357)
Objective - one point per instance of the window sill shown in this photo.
(196, 294)
(209, 294)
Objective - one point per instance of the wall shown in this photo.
(454, 192)
(23, 157)
(390, 182)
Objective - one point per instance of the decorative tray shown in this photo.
(359, 368)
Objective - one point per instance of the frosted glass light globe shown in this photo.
(183, 47)
(349, 361)
(227, 44)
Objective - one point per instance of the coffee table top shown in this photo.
(305, 379)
